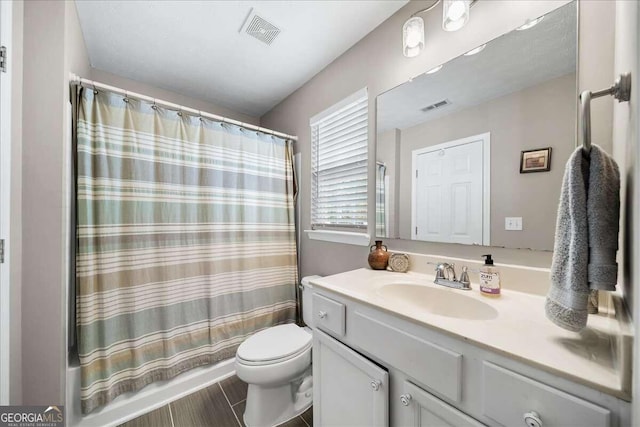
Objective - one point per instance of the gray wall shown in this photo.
(53, 47)
(519, 121)
(43, 270)
(377, 62)
(595, 64)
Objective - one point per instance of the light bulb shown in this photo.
(456, 10)
(434, 69)
(455, 14)
(530, 23)
(412, 37)
(476, 50)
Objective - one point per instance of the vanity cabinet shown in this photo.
(353, 391)
(374, 368)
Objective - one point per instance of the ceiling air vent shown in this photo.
(436, 105)
(258, 27)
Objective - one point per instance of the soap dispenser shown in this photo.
(489, 278)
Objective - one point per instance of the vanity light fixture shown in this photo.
(476, 50)
(434, 69)
(530, 23)
(455, 14)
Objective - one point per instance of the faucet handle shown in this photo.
(464, 278)
(440, 269)
(452, 269)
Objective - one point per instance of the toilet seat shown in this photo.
(274, 345)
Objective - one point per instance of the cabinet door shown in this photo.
(429, 411)
(348, 389)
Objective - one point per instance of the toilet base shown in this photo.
(270, 406)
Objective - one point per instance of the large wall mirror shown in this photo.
(473, 152)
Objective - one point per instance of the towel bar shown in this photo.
(621, 90)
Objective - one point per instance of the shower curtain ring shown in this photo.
(154, 106)
(95, 91)
(126, 96)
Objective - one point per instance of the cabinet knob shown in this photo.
(405, 399)
(375, 385)
(532, 419)
(322, 314)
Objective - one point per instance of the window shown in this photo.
(339, 165)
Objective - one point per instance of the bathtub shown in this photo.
(131, 405)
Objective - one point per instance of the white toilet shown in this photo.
(276, 363)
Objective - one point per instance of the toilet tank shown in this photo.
(307, 305)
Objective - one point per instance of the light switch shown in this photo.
(513, 223)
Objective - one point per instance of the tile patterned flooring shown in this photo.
(220, 405)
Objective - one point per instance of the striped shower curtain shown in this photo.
(185, 241)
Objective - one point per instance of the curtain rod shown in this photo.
(77, 80)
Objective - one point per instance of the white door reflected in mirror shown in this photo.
(451, 191)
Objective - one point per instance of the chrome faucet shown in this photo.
(446, 276)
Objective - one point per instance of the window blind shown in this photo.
(339, 165)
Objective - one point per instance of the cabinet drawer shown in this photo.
(509, 396)
(429, 364)
(329, 314)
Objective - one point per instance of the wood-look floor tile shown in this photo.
(238, 408)
(235, 389)
(307, 416)
(206, 407)
(161, 417)
(296, 422)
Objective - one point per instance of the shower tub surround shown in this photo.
(464, 350)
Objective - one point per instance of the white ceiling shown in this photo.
(510, 63)
(196, 47)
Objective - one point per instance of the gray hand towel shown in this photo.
(603, 217)
(587, 226)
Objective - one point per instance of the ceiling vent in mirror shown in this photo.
(258, 27)
(436, 105)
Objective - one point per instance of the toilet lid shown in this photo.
(275, 343)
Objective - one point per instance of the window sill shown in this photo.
(346, 237)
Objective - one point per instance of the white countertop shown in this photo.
(519, 331)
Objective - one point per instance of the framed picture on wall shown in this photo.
(538, 160)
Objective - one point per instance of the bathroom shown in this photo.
(379, 347)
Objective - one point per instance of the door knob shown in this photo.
(532, 419)
(405, 399)
(375, 385)
(322, 314)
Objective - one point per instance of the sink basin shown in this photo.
(440, 301)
